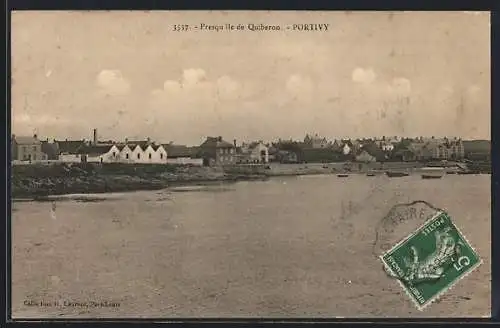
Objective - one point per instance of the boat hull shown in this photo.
(396, 174)
(431, 176)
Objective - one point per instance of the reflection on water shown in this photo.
(286, 247)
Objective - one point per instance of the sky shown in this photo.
(130, 75)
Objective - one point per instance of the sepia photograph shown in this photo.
(250, 164)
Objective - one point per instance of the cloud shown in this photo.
(193, 76)
(112, 82)
(361, 75)
(194, 87)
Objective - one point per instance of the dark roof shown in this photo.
(216, 142)
(95, 150)
(143, 146)
(51, 149)
(477, 146)
(374, 151)
(179, 150)
(69, 146)
(26, 140)
(142, 143)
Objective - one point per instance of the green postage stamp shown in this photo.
(431, 260)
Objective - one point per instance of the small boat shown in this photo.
(370, 174)
(393, 174)
(432, 172)
(430, 176)
(342, 175)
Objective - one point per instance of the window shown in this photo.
(221, 151)
(34, 157)
(161, 155)
(138, 156)
(34, 148)
(25, 149)
(114, 154)
(76, 156)
(149, 155)
(232, 150)
(126, 156)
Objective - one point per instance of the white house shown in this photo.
(125, 154)
(346, 150)
(387, 146)
(136, 153)
(100, 154)
(255, 152)
(160, 154)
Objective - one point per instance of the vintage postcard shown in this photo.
(250, 164)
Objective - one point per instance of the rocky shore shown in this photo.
(33, 181)
(39, 180)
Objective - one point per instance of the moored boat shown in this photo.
(342, 175)
(432, 172)
(396, 174)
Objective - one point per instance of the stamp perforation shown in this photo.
(452, 283)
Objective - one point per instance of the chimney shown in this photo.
(149, 139)
(94, 140)
(234, 142)
(35, 136)
(126, 140)
(219, 138)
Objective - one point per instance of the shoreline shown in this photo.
(41, 182)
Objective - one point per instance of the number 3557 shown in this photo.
(180, 27)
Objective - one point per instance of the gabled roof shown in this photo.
(132, 146)
(27, 140)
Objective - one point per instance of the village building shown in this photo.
(69, 150)
(216, 151)
(26, 148)
(182, 155)
(477, 150)
(316, 141)
(255, 152)
(99, 154)
(143, 152)
(365, 157)
(51, 149)
(287, 157)
(346, 146)
(370, 152)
